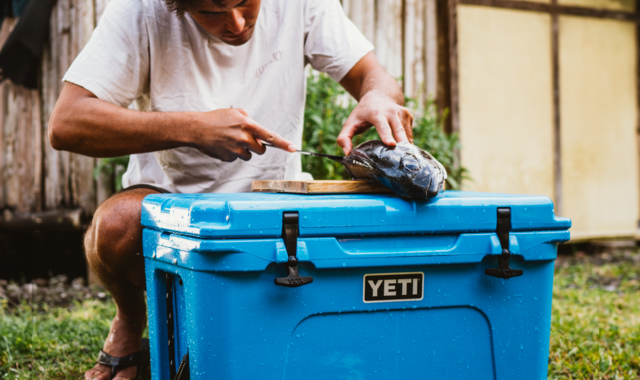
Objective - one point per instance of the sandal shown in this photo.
(140, 358)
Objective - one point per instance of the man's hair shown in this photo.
(182, 6)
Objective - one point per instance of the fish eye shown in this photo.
(410, 165)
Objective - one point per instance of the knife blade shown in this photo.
(335, 158)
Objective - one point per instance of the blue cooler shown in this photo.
(282, 286)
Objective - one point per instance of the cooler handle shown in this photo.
(502, 230)
(290, 237)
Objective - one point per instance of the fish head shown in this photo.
(408, 170)
(418, 173)
(430, 176)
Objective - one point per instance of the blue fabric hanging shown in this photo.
(5, 10)
(21, 53)
(11, 8)
(18, 7)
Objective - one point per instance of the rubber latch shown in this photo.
(502, 229)
(290, 237)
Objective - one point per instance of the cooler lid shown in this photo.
(259, 215)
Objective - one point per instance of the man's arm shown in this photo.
(380, 104)
(84, 124)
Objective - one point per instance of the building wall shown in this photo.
(599, 114)
(37, 181)
(548, 104)
(506, 105)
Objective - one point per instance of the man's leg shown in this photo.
(113, 246)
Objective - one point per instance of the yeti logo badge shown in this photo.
(393, 287)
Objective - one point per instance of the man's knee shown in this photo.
(115, 231)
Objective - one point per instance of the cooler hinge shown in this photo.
(290, 237)
(502, 230)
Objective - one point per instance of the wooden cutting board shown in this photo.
(319, 187)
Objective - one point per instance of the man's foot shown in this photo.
(124, 339)
(113, 243)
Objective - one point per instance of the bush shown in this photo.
(328, 107)
(113, 167)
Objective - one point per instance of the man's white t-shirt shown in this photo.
(142, 52)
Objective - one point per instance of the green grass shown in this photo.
(595, 331)
(56, 343)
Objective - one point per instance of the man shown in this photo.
(221, 78)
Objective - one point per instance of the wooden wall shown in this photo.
(40, 184)
(405, 35)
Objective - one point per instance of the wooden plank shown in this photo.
(453, 66)
(443, 84)
(619, 5)
(104, 187)
(362, 13)
(557, 145)
(63, 42)
(7, 26)
(388, 39)
(11, 178)
(431, 49)
(318, 187)
(63, 35)
(84, 24)
(346, 6)
(27, 149)
(19, 148)
(82, 182)
(50, 91)
(37, 151)
(409, 41)
(583, 237)
(560, 9)
(105, 182)
(99, 6)
(414, 50)
(52, 218)
(20, 142)
(2, 123)
(23, 154)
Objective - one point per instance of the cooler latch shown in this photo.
(290, 237)
(503, 228)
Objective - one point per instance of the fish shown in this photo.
(407, 170)
(410, 172)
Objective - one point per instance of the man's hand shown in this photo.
(84, 124)
(228, 134)
(380, 101)
(392, 121)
